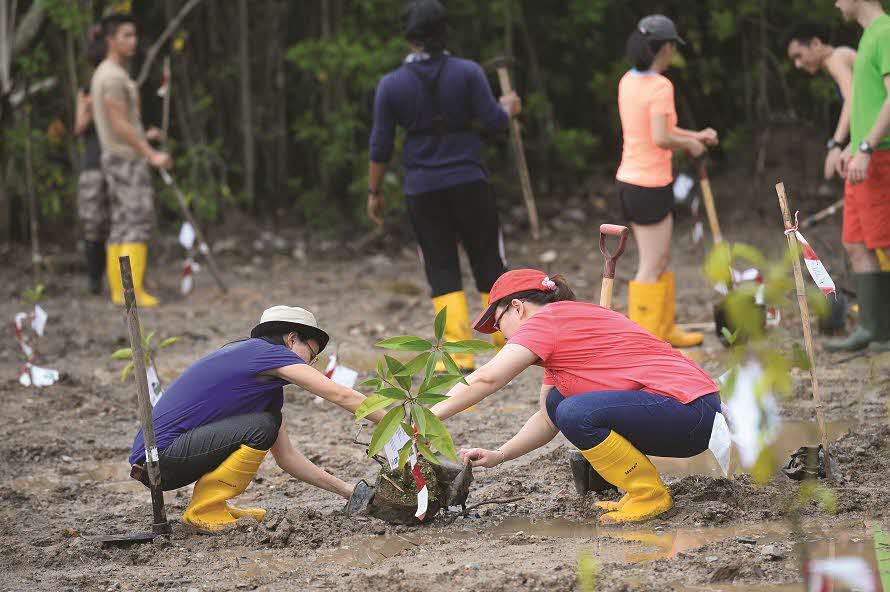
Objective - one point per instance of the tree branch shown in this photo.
(154, 49)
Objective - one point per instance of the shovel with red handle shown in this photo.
(610, 260)
(584, 476)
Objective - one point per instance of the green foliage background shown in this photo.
(315, 65)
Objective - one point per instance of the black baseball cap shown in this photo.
(659, 28)
(421, 16)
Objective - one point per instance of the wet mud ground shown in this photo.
(63, 449)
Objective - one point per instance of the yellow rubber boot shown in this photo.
(497, 338)
(612, 506)
(883, 259)
(671, 333)
(457, 326)
(645, 306)
(138, 253)
(113, 271)
(624, 466)
(208, 510)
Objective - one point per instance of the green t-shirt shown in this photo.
(869, 93)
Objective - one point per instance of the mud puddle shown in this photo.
(792, 435)
(612, 545)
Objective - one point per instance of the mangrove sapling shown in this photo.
(126, 353)
(409, 429)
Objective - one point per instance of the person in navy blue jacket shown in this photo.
(443, 102)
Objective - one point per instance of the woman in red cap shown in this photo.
(645, 179)
(613, 389)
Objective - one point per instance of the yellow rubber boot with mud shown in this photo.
(208, 510)
(497, 338)
(645, 306)
(138, 253)
(670, 332)
(113, 272)
(622, 465)
(457, 326)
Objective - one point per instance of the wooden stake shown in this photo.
(160, 525)
(805, 320)
(521, 164)
(708, 198)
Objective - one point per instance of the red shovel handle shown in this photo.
(611, 259)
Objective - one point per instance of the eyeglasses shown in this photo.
(497, 323)
(314, 353)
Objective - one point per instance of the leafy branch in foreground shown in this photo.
(409, 389)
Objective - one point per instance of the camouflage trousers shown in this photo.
(92, 205)
(132, 207)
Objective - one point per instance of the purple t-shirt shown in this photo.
(223, 384)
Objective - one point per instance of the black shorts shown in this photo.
(646, 205)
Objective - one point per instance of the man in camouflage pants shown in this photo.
(126, 156)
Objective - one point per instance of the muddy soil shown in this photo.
(63, 449)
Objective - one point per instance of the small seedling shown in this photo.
(394, 388)
(126, 353)
(35, 294)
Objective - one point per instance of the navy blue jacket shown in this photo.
(436, 161)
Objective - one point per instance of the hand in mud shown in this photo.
(480, 457)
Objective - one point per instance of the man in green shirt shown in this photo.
(866, 166)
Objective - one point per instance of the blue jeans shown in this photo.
(654, 424)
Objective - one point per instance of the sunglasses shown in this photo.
(497, 322)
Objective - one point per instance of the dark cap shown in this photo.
(420, 16)
(659, 28)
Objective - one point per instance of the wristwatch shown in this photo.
(865, 147)
(374, 192)
(832, 144)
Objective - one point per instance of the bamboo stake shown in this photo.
(805, 320)
(160, 525)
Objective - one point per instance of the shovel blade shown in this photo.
(123, 540)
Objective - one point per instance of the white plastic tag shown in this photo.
(391, 448)
(155, 392)
(187, 236)
(39, 322)
(42, 376)
(721, 443)
(683, 184)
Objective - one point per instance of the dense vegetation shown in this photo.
(271, 98)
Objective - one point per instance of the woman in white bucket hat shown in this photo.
(217, 421)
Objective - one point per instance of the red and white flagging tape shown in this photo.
(814, 264)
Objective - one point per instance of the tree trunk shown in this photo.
(246, 104)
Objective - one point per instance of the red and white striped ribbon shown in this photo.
(814, 264)
(423, 495)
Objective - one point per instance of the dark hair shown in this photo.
(111, 23)
(277, 339)
(562, 292)
(96, 51)
(424, 23)
(804, 33)
(641, 50)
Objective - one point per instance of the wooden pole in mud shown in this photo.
(160, 525)
(805, 319)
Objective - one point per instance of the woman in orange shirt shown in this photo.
(645, 179)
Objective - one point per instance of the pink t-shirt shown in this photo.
(640, 96)
(584, 347)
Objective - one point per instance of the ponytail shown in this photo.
(561, 293)
(641, 50)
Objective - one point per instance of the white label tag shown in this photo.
(153, 456)
(391, 448)
(187, 236)
(42, 376)
(345, 376)
(682, 186)
(39, 322)
(155, 391)
(721, 443)
(698, 232)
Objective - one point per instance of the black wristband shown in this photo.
(832, 144)
(374, 192)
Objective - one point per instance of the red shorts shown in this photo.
(867, 205)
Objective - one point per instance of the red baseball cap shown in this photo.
(512, 282)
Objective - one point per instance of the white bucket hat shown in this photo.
(284, 319)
